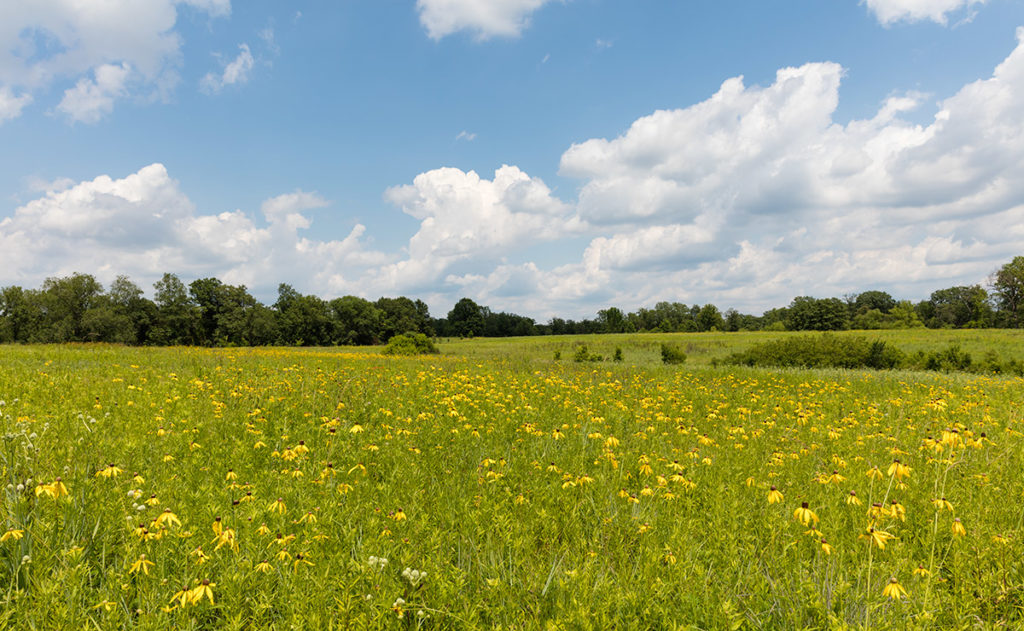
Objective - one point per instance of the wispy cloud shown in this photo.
(235, 72)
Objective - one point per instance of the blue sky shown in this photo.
(541, 156)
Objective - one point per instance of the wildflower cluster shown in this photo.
(242, 484)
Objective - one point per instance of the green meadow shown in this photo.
(493, 486)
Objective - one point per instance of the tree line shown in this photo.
(209, 312)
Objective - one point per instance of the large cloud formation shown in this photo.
(111, 49)
(757, 195)
(746, 199)
(144, 225)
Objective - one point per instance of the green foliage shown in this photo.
(960, 307)
(821, 351)
(466, 319)
(849, 351)
(211, 313)
(410, 344)
(709, 318)
(618, 354)
(357, 320)
(901, 316)
(948, 360)
(304, 320)
(582, 354)
(993, 363)
(402, 315)
(1008, 285)
(817, 314)
(872, 301)
(176, 310)
(904, 316)
(954, 359)
(611, 320)
(671, 354)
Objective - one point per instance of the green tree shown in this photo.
(466, 319)
(1008, 285)
(103, 322)
(961, 307)
(178, 316)
(208, 295)
(773, 319)
(21, 314)
(303, 320)
(504, 324)
(234, 320)
(402, 315)
(817, 314)
(66, 301)
(611, 320)
(141, 313)
(262, 325)
(357, 320)
(733, 320)
(868, 300)
(709, 318)
(870, 319)
(904, 316)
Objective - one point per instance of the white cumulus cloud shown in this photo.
(143, 225)
(92, 99)
(746, 199)
(465, 217)
(462, 214)
(11, 105)
(758, 193)
(890, 11)
(44, 42)
(483, 18)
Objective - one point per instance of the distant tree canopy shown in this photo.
(1008, 285)
(466, 319)
(209, 312)
(817, 314)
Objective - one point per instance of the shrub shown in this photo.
(821, 351)
(948, 360)
(671, 354)
(952, 359)
(618, 354)
(410, 344)
(584, 355)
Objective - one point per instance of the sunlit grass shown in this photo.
(495, 487)
(703, 348)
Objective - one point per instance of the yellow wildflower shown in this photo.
(200, 591)
(805, 515)
(899, 470)
(12, 533)
(169, 518)
(894, 590)
(142, 564)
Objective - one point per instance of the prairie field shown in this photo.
(495, 487)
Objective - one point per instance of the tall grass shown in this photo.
(504, 490)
